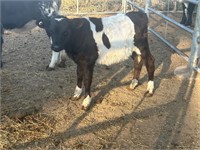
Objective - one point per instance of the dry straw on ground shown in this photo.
(39, 126)
(86, 6)
(25, 130)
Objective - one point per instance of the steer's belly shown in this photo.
(113, 57)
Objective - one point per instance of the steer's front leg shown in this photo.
(87, 79)
(150, 69)
(54, 59)
(78, 89)
(62, 59)
(57, 58)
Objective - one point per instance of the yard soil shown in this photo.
(124, 119)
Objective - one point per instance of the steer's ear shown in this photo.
(42, 23)
(77, 22)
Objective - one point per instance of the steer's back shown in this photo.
(140, 21)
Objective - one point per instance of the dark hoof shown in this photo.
(49, 68)
(107, 68)
(128, 88)
(85, 108)
(147, 94)
(62, 64)
(99, 101)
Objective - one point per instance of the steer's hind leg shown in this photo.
(148, 59)
(138, 62)
(149, 62)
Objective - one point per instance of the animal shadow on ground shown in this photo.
(174, 119)
(168, 133)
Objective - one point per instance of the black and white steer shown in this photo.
(20, 15)
(107, 41)
(188, 9)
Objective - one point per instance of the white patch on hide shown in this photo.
(77, 92)
(186, 5)
(133, 84)
(40, 23)
(137, 50)
(48, 8)
(54, 59)
(150, 87)
(139, 58)
(86, 102)
(120, 31)
(51, 40)
(55, 6)
(59, 19)
(180, 1)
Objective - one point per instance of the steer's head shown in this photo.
(58, 29)
(49, 8)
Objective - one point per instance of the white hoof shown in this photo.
(150, 87)
(77, 93)
(133, 84)
(86, 102)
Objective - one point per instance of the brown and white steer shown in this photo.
(107, 41)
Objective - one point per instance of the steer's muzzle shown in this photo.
(56, 48)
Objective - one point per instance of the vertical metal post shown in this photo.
(77, 6)
(175, 6)
(195, 49)
(166, 22)
(147, 4)
(188, 71)
(124, 5)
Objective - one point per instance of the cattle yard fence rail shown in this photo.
(195, 48)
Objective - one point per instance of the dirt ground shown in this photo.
(38, 114)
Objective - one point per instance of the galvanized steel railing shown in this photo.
(195, 48)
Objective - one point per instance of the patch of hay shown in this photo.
(28, 129)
